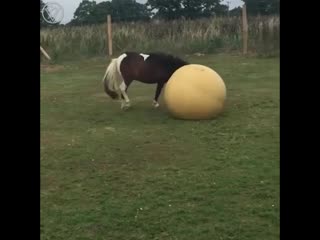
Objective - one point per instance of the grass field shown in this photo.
(108, 174)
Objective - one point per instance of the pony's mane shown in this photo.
(170, 62)
(168, 58)
(162, 57)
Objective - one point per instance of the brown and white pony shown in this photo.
(152, 68)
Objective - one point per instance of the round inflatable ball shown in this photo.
(195, 92)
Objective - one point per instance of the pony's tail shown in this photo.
(111, 79)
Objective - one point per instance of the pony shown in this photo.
(149, 68)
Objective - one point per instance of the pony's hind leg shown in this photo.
(126, 101)
(127, 83)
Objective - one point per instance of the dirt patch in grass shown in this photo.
(51, 68)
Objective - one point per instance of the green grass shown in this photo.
(140, 174)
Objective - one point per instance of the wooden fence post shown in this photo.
(45, 53)
(109, 35)
(260, 31)
(271, 24)
(271, 28)
(244, 29)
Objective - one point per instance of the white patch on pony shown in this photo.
(145, 56)
(119, 60)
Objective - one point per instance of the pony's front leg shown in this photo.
(158, 91)
(126, 101)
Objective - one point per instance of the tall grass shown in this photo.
(180, 36)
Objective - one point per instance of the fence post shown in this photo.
(109, 35)
(260, 31)
(45, 53)
(271, 24)
(271, 27)
(245, 29)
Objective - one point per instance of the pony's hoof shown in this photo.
(125, 106)
(155, 104)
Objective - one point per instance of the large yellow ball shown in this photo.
(195, 92)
